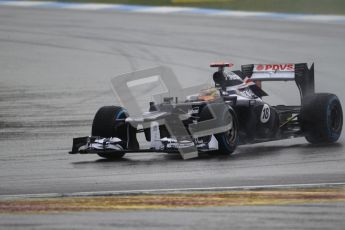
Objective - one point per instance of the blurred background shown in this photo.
(287, 6)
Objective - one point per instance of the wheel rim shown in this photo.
(232, 133)
(335, 119)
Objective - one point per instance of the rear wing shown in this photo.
(300, 73)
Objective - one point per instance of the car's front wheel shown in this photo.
(227, 141)
(226, 117)
(106, 124)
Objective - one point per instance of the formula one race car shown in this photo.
(220, 118)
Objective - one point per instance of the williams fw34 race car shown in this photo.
(218, 119)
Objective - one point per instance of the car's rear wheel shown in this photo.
(106, 124)
(321, 118)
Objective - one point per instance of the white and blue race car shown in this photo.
(218, 119)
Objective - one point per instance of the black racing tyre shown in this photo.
(227, 141)
(105, 125)
(321, 118)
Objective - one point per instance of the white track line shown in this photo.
(242, 14)
(167, 191)
(22, 3)
(90, 6)
(163, 9)
(337, 19)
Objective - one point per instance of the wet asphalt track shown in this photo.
(55, 70)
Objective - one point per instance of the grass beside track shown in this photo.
(178, 200)
(288, 6)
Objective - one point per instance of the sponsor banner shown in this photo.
(273, 72)
(274, 67)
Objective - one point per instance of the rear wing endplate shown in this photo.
(300, 73)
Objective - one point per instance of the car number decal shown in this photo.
(265, 113)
